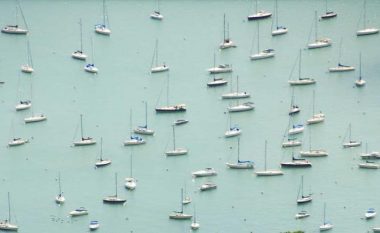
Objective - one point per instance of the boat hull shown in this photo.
(216, 83)
(158, 69)
(341, 69)
(33, 119)
(103, 163)
(301, 82)
(79, 55)
(236, 95)
(240, 165)
(261, 55)
(269, 173)
(367, 31)
(258, 16)
(144, 131)
(279, 31)
(14, 30)
(180, 216)
(313, 153)
(169, 109)
(17, 142)
(85, 142)
(296, 164)
(177, 151)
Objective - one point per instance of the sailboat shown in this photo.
(351, 143)
(240, 164)
(103, 28)
(180, 215)
(90, 67)
(266, 53)
(144, 129)
(247, 106)
(175, 150)
(279, 30)
(133, 139)
(130, 182)
(341, 67)
(222, 68)
(15, 28)
(290, 134)
(114, 199)
(195, 225)
(83, 141)
(215, 82)
(25, 103)
(28, 67)
(326, 225)
(294, 108)
(237, 94)
(35, 117)
(227, 42)
(156, 67)
(59, 199)
(102, 162)
(329, 14)
(360, 82)
(260, 14)
(296, 128)
(313, 152)
(301, 81)
(79, 54)
(366, 30)
(370, 213)
(303, 198)
(369, 155)
(6, 224)
(296, 163)
(268, 172)
(232, 130)
(291, 142)
(318, 42)
(156, 14)
(187, 199)
(170, 108)
(317, 117)
(369, 165)
(16, 141)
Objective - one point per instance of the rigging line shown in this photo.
(311, 30)
(294, 66)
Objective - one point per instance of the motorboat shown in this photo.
(156, 15)
(205, 172)
(302, 214)
(94, 224)
(79, 212)
(207, 186)
(370, 213)
(180, 121)
(35, 118)
(17, 142)
(241, 107)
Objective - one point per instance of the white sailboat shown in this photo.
(195, 224)
(28, 67)
(59, 199)
(103, 28)
(180, 215)
(266, 172)
(170, 108)
(222, 68)
(279, 30)
(360, 82)
(79, 54)
(313, 152)
(316, 117)
(208, 171)
(15, 28)
(207, 186)
(175, 151)
(155, 68)
(144, 129)
(302, 214)
(236, 94)
(156, 14)
(101, 162)
(227, 42)
(266, 53)
(351, 142)
(318, 42)
(130, 182)
(133, 139)
(114, 199)
(232, 130)
(328, 14)
(369, 165)
(291, 142)
(296, 129)
(301, 81)
(25, 103)
(187, 199)
(369, 155)
(34, 117)
(240, 164)
(341, 67)
(260, 14)
(326, 225)
(6, 225)
(366, 30)
(296, 163)
(247, 106)
(16, 141)
(215, 82)
(294, 108)
(90, 67)
(290, 135)
(84, 141)
(303, 198)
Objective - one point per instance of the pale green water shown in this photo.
(188, 37)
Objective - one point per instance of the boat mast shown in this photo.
(238, 149)
(81, 126)
(59, 184)
(360, 66)
(237, 83)
(28, 54)
(131, 164)
(316, 25)
(130, 120)
(22, 14)
(313, 102)
(181, 201)
(365, 14)
(265, 156)
(340, 49)
(256, 6)
(101, 149)
(276, 15)
(81, 36)
(156, 52)
(258, 36)
(9, 209)
(173, 137)
(326, 6)
(310, 139)
(104, 12)
(299, 65)
(324, 213)
(146, 114)
(195, 218)
(302, 186)
(349, 132)
(116, 184)
(167, 93)
(224, 28)
(92, 50)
